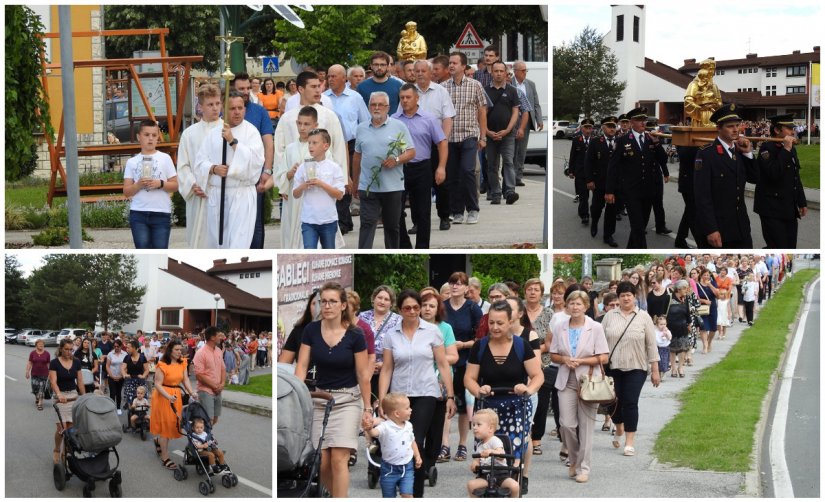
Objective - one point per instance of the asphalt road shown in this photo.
(800, 437)
(246, 438)
(569, 233)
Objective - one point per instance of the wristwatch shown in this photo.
(233, 142)
(268, 172)
(397, 160)
(451, 397)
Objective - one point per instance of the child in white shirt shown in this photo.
(663, 337)
(724, 314)
(399, 451)
(322, 182)
(140, 405)
(485, 425)
(750, 290)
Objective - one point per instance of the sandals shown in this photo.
(460, 453)
(537, 449)
(157, 447)
(39, 405)
(563, 456)
(629, 451)
(170, 465)
(444, 454)
(673, 374)
(353, 458)
(605, 427)
(615, 441)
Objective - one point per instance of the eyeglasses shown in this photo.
(410, 308)
(329, 303)
(379, 105)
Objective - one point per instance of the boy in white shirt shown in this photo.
(148, 179)
(399, 451)
(322, 181)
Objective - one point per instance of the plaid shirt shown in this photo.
(484, 77)
(468, 97)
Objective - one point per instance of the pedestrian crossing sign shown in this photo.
(271, 65)
(469, 39)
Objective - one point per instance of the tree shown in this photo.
(400, 271)
(118, 298)
(584, 78)
(16, 292)
(27, 111)
(490, 21)
(508, 267)
(333, 34)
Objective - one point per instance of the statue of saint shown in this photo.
(412, 45)
(702, 97)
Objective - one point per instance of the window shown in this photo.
(257, 274)
(619, 28)
(720, 72)
(739, 71)
(770, 72)
(796, 71)
(795, 89)
(241, 276)
(770, 90)
(635, 29)
(170, 317)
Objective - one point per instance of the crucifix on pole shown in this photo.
(227, 77)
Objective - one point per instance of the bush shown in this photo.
(15, 218)
(105, 214)
(37, 217)
(56, 236)
(486, 282)
(178, 209)
(515, 267)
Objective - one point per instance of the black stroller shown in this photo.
(299, 461)
(493, 471)
(191, 456)
(141, 424)
(88, 443)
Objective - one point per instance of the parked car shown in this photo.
(570, 130)
(11, 335)
(26, 334)
(49, 339)
(558, 128)
(70, 333)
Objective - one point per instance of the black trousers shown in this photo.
(548, 398)
(442, 195)
(638, 211)
(384, 205)
(596, 205)
(342, 206)
(418, 186)
(659, 209)
(583, 193)
(748, 310)
(628, 385)
(423, 412)
(115, 390)
(688, 222)
(779, 233)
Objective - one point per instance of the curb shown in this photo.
(249, 408)
(753, 478)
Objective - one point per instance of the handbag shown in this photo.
(607, 365)
(703, 309)
(598, 390)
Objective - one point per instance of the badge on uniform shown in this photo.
(719, 149)
(697, 166)
(766, 154)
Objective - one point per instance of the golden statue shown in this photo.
(702, 97)
(412, 45)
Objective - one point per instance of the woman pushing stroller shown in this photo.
(166, 399)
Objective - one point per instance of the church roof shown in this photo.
(221, 266)
(667, 73)
(235, 298)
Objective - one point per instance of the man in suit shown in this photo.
(779, 199)
(595, 175)
(658, 203)
(578, 152)
(719, 175)
(533, 119)
(633, 172)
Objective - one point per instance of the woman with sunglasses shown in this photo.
(411, 349)
(338, 352)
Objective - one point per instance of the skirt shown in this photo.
(344, 419)
(680, 344)
(41, 387)
(130, 390)
(65, 409)
(512, 419)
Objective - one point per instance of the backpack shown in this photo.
(96, 424)
(518, 343)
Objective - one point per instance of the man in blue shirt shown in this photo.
(425, 130)
(384, 143)
(351, 111)
(259, 117)
(381, 80)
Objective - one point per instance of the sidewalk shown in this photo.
(249, 403)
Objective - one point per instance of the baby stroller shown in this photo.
(87, 444)
(195, 410)
(141, 424)
(299, 461)
(516, 471)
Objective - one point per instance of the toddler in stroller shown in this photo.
(138, 415)
(490, 463)
(206, 446)
(201, 446)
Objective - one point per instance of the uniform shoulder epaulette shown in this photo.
(707, 145)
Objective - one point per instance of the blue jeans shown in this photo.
(396, 476)
(325, 232)
(150, 229)
(258, 235)
(461, 175)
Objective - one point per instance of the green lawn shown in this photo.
(809, 163)
(260, 385)
(34, 196)
(714, 429)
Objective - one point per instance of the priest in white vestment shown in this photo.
(191, 187)
(244, 157)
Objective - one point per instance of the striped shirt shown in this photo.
(638, 347)
(468, 97)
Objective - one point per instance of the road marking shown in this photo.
(10, 378)
(783, 488)
(255, 486)
(671, 234)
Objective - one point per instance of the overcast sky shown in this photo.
(699, 29)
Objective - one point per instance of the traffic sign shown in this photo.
(271, 65)
(469, 39)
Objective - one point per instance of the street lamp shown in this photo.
(217, 301)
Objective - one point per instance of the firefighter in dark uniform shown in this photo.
(779, 199)
(687, 158)
(719, 175)
(598, 156)
(632, 174)
(578, 152)
(624, 128)
(658, 203)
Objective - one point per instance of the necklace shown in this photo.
(533, 312)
